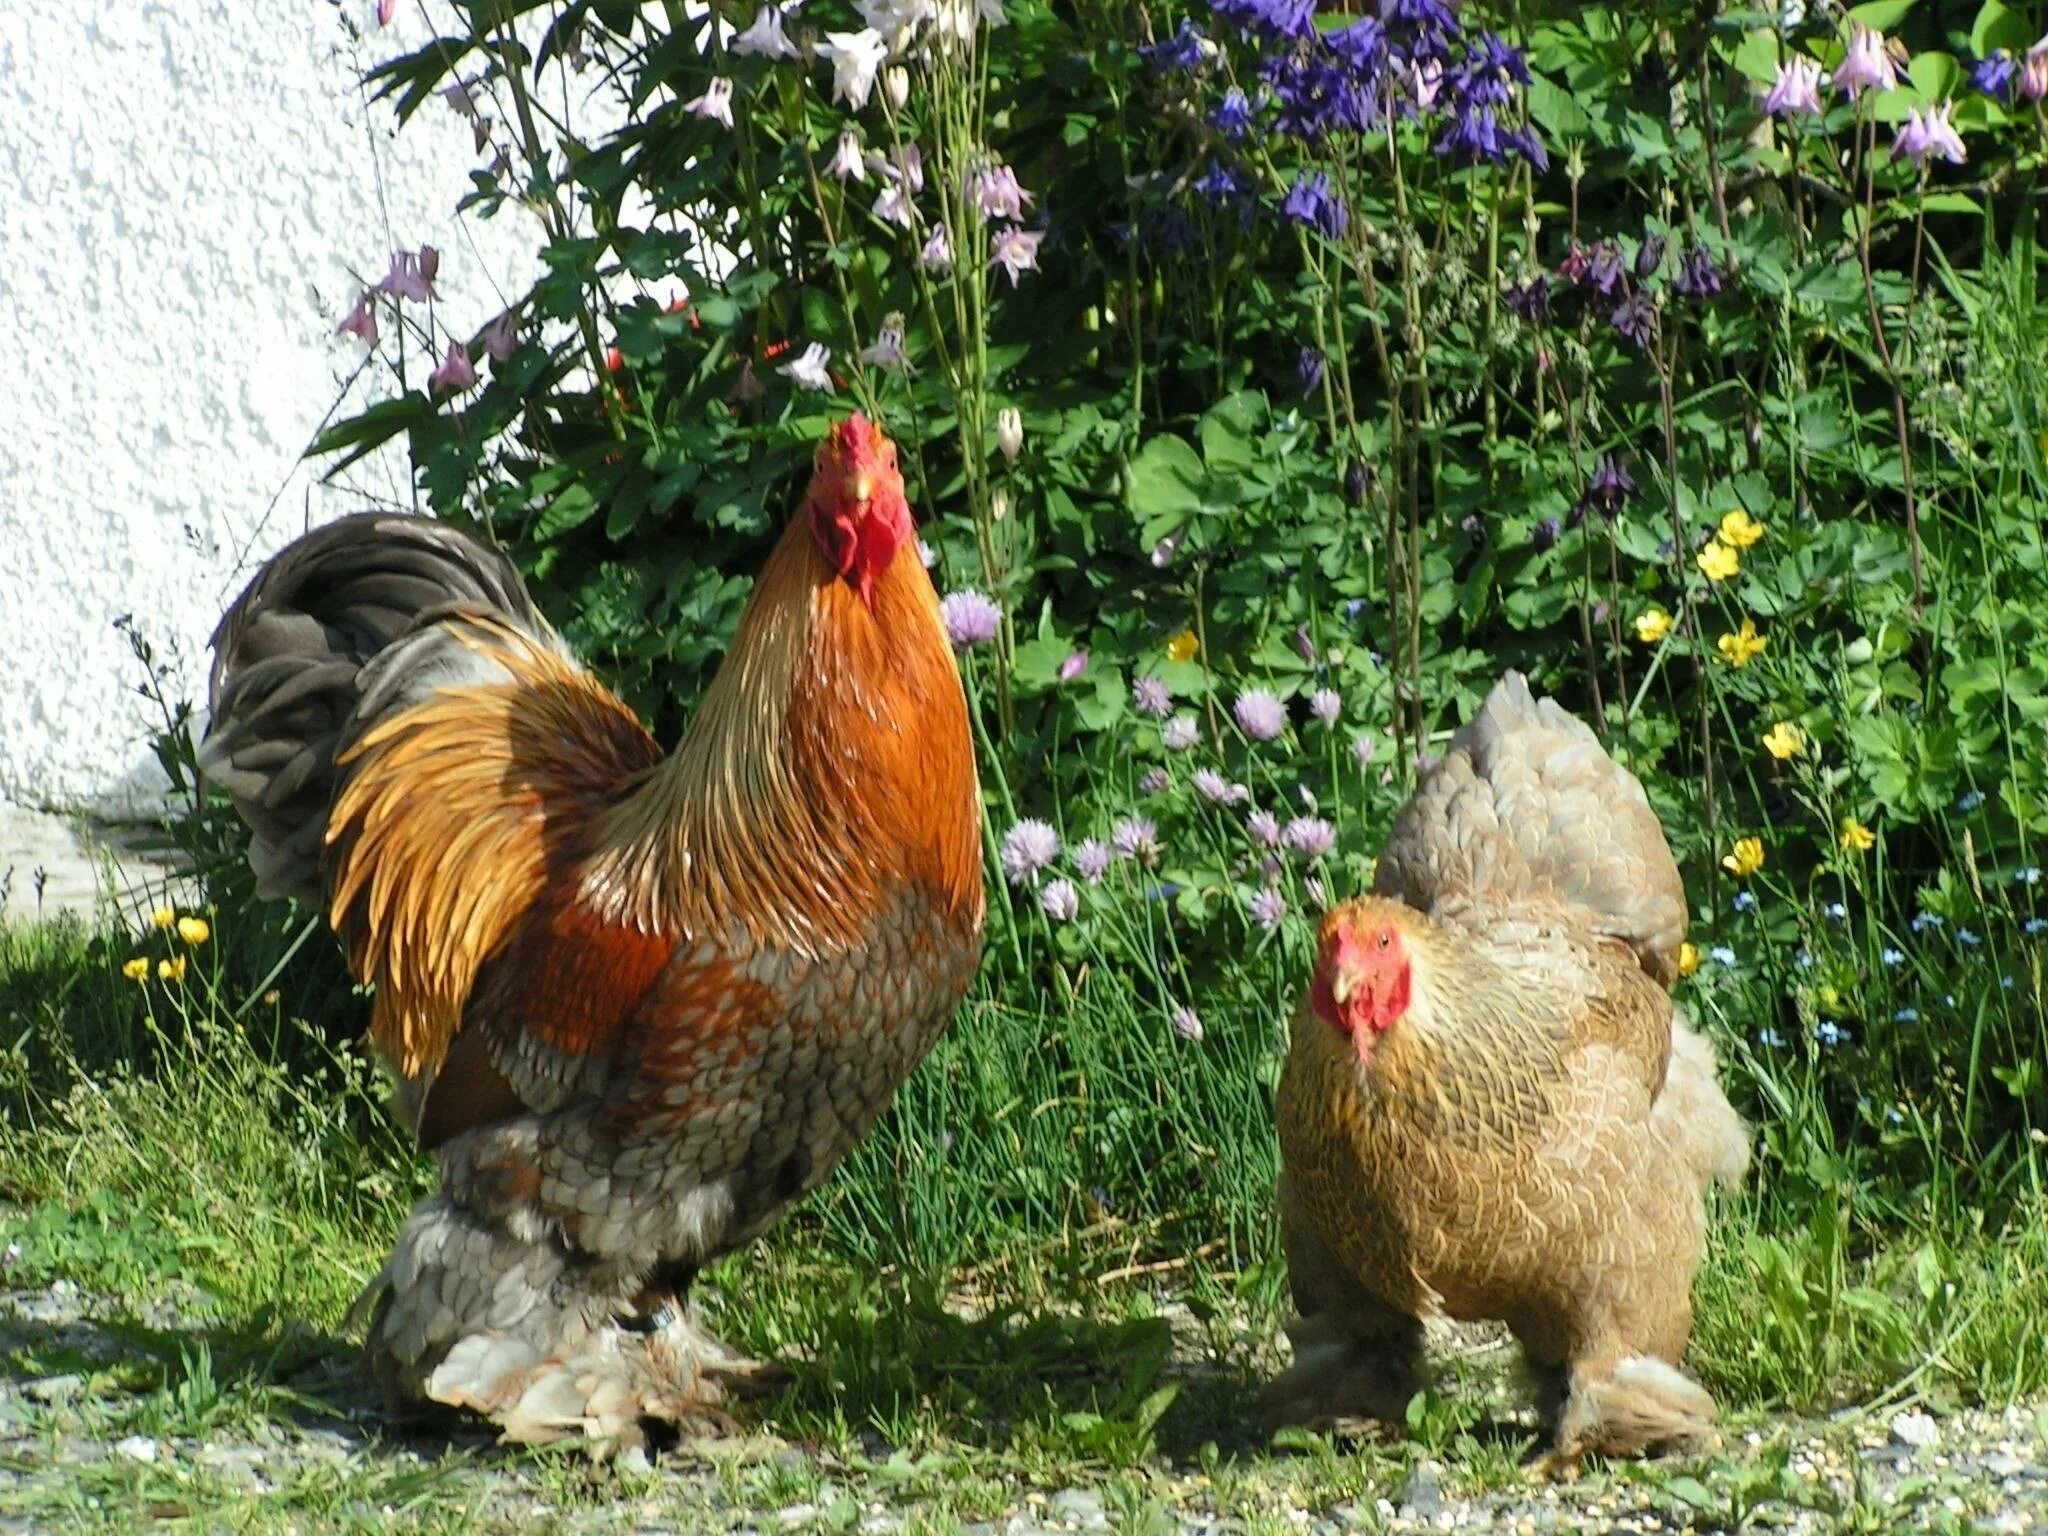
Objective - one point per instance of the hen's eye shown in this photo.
(1385, 938)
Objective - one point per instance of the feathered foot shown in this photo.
(1641, 1407)
(1341, 1383)
(543, 1344)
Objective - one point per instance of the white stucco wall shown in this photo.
(191, 194)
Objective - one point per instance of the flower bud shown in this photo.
(1010, 432)
(896, 86)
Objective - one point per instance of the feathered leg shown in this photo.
(1638, 1405)
(1354, 1356)
(545, 1344)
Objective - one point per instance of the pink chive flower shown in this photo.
(361, 321)
(1259, 715)
(1180, 733)
(1268, 908)
(1264, 827)
(971, 618)
(1310, 836)
(1920, 139)
(1211, 785)
(1796, 91)
(1060, 901)
(1136, 837)
(1150, 696)
(456, 372)
(1188, 1025)
(1073, 666)
(1867, 65)
(1029, 847)
(1327, 705)
(715, 103)
(1154, 782)
(1015, 250)
(1091, 860)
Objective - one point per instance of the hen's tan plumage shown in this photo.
(1531, 1141)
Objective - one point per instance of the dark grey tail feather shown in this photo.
(289, 657)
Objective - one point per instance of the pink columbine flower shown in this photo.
(1796, 91)
(715, 103)
(846, 162)
(808, 370)
(971, 618)
(765, 37)
(456, 372)
(937, 254)
(2033, 79)
(361, 321)
(1162, 552)
(905, 165)
(1867, 65)
(1423, 82)
(1015, 250)
(887, 352)
(386, 9)
(501, 337)
(1259, 714)
(1073, 666)
(892, 207)
(1921, 138)
(410, 276)
(997, 194)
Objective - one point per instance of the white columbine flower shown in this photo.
(856, 58)
(892, 207)
(887, 352)
(766, 37)
(896, 21)
(846, 162)
(715, 103)
(808, 369)
(937, 254)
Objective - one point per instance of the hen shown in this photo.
(1491, 1109)
(636, 1005)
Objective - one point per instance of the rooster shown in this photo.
(636, 1005)
(1491, 1109)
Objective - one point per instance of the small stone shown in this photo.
(634, 1459)
(136, 1448)
(1081, 1506)
(2002, 1465)
(1422, 1495)
(796, 1515)
(54, 1389)
(1915, 1429)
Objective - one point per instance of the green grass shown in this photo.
(1053, 1265)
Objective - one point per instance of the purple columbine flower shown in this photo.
(1598, 267)
(1154, 782)
(1994, 76)
(1268, 907)
(1327, 705)
(1073, 666)
(1474, 136)
(1650, 256)
(1029, 847)
(1866, 65)
(1796, 91)
(1920, 139)
(1310, 202)
(1233, 115)
(1015, 250)
(1179, 733)
(1060, 901)
(1091, 860)
(1150, 696)
(1271, 19)
(1635, 318)
(1309, 369)
(1545, 534)
(1264, 828)
(1219, 183)
(1179, 53)
(1259, 714)
(1530, 299)
(1136, 837)
(1610, 488)
(1188, 1025)
(1699, 277)
(1310, 836)
(971, 618)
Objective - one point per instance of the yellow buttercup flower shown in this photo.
(1719, 561)
(1688, 958)
(163, 917)
(1742, 647)
(1746, 859)
(172, 969)
(1739, 530)
(194, 930)
(137, 969)
(1784, 740)
(1182, 647)
(1856, 837)
(1652, 625)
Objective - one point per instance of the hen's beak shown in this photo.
(863, 488)
(1342, 986)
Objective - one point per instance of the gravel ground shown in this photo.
(105, 1443)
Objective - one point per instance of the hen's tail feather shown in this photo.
(292, 682)
(1526, 803)
(1694, 1116)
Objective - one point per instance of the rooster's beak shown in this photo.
(1342, 985)
(863, 488)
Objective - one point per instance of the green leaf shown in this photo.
(1882, 15)
(1756, 57)
(1999, 26)
(1556, 111)
(1166, 479)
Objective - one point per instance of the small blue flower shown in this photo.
(1893, 957)
(1353, 607)
(1993, 76)
(1968, 939)
(1922, 921)
(1828, 1033)
(2034, 925)
(1895, 1115)
(1906, 1016)
(2029, 875)
(1970, 801)
(1745, 901)
(1721, 954)
(2005, 983)
(1834, 911)
(1770, 1037)
(1804, 959)
(1166, 890)
(1948, 999)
